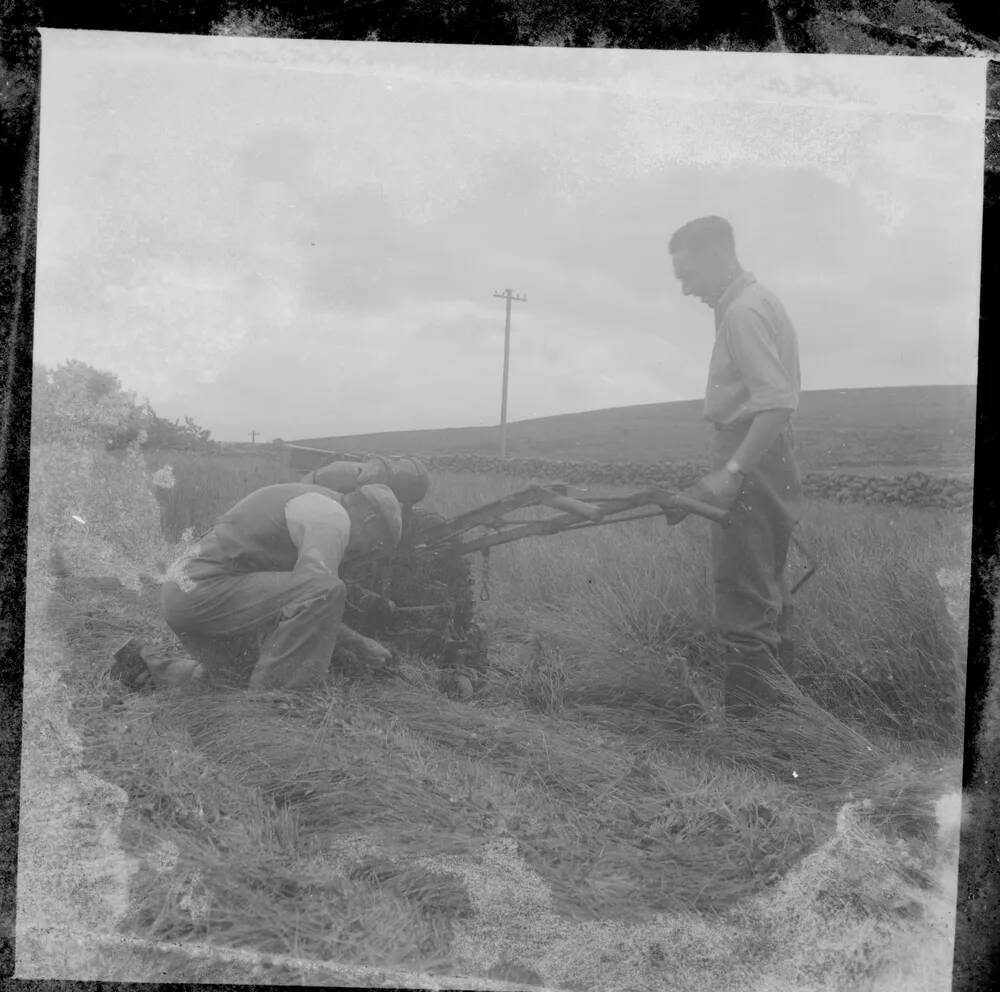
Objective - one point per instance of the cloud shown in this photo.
(281, 155)
(310, 235)
(418, 365)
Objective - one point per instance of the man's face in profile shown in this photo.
(698, 272)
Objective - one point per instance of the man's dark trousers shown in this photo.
(267, 630)
(752, 602)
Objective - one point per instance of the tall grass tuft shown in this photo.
(630, 604)
(205, 486)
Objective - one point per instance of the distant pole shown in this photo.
(508, 295)
(253, 438)
(779, 33)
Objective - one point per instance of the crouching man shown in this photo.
(258, 600)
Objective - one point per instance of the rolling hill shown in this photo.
(883, 430)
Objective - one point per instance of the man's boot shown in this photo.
(748, 693)
(139, 667)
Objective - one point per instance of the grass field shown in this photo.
(573, 824)
(890, 430)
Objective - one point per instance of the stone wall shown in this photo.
(913, 489)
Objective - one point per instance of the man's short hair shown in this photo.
(703, 232)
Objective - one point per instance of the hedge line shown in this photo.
(913, 489)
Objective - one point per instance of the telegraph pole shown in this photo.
(253, 438)
(508, 295)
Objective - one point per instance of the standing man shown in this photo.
(258, 600)
(753, 389)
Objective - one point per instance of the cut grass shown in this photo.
(614, 833)
(237, 844)
(306, 826)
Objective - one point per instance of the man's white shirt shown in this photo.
(320, 528)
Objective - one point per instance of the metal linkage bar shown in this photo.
(488, 515)
(577, 514)
(810, 560)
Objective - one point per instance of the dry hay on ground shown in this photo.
(261, 793)
(224, 863)
(613, 832)
(337, 773)
(255, 793)
(857, 908)
(613, 825)
(279, 905)
(832, 762)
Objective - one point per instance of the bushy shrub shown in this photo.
(154, 433)
(78, 404)
(89, 503)
(98, 509)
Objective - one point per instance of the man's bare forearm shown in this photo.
(347, 637)
(763, 432)
(364, 648)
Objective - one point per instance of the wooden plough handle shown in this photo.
(570, 504)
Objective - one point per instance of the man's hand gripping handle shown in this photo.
(676, 506)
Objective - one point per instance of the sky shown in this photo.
(303, 238)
